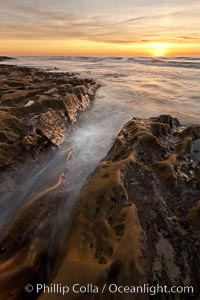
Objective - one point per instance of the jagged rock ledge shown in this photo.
(38, 109)
(136, 220)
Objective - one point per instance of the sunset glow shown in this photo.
(159, 49)
(82, 27)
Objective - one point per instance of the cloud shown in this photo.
(28, 22)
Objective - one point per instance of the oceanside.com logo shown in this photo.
(58, 288)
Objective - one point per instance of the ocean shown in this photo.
(135, 86)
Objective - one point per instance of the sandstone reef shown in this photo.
(136, 220)
(38, 109)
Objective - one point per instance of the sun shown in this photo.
(158, 49)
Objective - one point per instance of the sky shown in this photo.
(100, 27)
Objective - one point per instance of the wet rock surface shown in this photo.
(137, 217)
(38, 109)
(136, 221)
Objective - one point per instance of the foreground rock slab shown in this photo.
(38, 109)
(137, 218)
(135, 222)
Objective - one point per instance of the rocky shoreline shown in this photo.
(38, 109)
(136, 220)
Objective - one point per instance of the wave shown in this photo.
(84, 58)
(180, 62)
(188, 58)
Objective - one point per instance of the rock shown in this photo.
(193, 216)
(131, 224)
(29, 244)
(33, 238)
(184, 146)
(72, 105)
(52, 125)
(39, 108)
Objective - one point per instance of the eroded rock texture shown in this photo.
(137, 217)
(38, 109)
(136, 221)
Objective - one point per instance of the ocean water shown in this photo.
(136, 86)
(130, 87)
